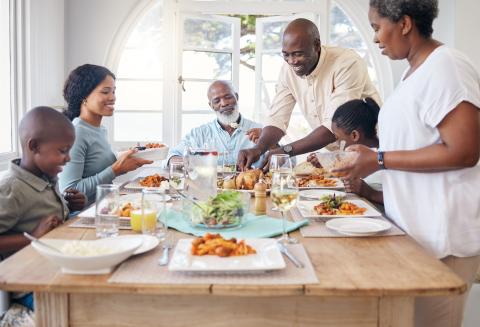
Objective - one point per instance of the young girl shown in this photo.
(355, 123)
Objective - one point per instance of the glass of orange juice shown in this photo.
(148, 219)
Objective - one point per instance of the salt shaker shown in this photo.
(260, 190)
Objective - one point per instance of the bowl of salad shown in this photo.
(225, 210)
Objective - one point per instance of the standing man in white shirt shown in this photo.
(317, 78)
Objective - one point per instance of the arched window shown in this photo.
(163, 68)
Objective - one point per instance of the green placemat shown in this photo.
(253, 226)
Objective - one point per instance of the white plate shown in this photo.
(152, 154)
(358, 226)
(135, 185)
(149, 242)
(268, 257)
(337, 186)
(307, 211)
(316, 194)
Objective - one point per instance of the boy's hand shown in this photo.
(46, 224)
(76, 199)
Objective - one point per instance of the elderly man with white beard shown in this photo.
(229, 133)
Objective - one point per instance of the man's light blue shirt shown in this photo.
(216, 137)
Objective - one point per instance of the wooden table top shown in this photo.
(363, 266)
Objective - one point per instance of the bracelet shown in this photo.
(380, 160)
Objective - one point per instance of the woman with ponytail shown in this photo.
(90, 94)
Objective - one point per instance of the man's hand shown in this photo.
(266, 161)
(46, 224)
(253, 134)
(312, 158)
(247, 157)
(76, 199)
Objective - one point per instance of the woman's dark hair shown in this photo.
(358, 114)
(80, 83)
(422, 12)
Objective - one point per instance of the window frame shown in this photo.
(17, 30)
(172, 13)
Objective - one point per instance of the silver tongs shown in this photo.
(290, 256)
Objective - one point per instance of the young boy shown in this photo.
(30, 200)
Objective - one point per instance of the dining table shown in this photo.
(362, 281)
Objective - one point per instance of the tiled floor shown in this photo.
(472, 309)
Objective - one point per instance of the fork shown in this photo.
(166, 246)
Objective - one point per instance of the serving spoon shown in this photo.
(34, 239)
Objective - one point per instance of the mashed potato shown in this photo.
(85, 249)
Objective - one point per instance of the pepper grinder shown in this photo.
(260, 190)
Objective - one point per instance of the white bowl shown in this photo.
(91, 263)
(152, 154)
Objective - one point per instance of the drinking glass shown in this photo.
(201, 173)
(284, 194)
(280, 163)
(107, 210)
(152, 213)
(176, 178)
(229, 167)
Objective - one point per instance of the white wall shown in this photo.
(44, 56)
(467, 27)
(90, 27)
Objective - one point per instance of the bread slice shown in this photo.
(306, 168)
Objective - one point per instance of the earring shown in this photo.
(84, 101)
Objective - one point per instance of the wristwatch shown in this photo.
(380, 160)
(288, 149)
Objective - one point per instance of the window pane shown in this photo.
(145, 62)
(206, 34)
(195, 96)
(272, 35)
(271, 65)
(142, 55)
(190, 121)
(345, 34)
(207, 65)
(139, 95)
(138, 127)
(5, 105)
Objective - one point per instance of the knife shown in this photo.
(290, 256)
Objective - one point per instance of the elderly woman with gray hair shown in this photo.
(429, 133)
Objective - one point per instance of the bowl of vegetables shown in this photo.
(225, 210)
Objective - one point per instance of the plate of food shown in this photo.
(151, 151)
(128, 203)
(317, 194)
(212, 253)
(334, 206)
(150, 181)
(319, 181)
(358, 227)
